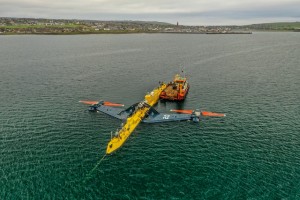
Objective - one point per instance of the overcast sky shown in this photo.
(186, 12)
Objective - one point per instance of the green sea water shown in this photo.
(49, 143)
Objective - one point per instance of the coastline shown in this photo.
(33, 26)
(141, 32)
(116, 32)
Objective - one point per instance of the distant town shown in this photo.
(10, 26)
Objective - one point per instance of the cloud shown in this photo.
(196, 12)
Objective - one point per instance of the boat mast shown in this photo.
(183, 71)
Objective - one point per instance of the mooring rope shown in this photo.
(97, 165)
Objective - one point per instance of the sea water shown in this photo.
(49, 143)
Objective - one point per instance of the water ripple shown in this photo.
(49, 143)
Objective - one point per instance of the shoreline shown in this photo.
(119, 32)
(142, 32)
(40, 26)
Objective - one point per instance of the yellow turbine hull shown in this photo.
(133, 121)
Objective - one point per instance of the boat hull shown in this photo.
(177, 97)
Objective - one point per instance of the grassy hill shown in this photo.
(278, 26)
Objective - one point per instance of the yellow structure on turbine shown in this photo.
(133, 121)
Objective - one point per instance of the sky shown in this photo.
(186, 12)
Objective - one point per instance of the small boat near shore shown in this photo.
(176, 90)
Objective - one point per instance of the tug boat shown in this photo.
(176, 90)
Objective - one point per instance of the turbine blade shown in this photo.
(89, 102)
(212, 114)
(183, 111)
(107, 103)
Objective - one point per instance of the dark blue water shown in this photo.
(49, 143)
